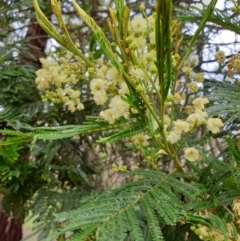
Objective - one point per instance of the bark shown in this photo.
(36, 43)
(10, 229)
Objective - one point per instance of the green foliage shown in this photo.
(154, 198)
(151, 200)
(20, 98)
(225, 19)
(227, 101)
(17, 183)
(48, 201)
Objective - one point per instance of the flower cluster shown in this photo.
(220, 56)
(236, 211)
(196, 117)
(119, 168)
(58, 80)
(140, 140)
(110, 85)
(192, 79)
(191, 154)
(233, 65)
(208, 234)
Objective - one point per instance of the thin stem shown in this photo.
(159, 35)
(175, 159)
(184, 140)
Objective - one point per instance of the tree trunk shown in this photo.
(10, 229)
(37, 40)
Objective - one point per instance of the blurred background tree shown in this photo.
(54, 176)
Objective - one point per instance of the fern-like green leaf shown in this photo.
(152, 195)
(48, 27)
(151, 217)
(218, 17)
(82, 235)
(226, 102)
(127, 131)
(100, 36)
(120, 8)
(165, 208)
(60, 132)
(135, 232)
(220, 224)
(226, 198)
(213, 222)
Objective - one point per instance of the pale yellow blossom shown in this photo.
(191, 154)
(80, 106)
(193, 87)
(141, 41)
(204, 232)
(102, 72)
(98, 85)
(220, 56)
(43, 85)
(140, 139)
(167, 120)
(71, 106)
(199, 103)
(199, 77)
(123, 89)
(188, 109)
(56, 80)
(65, 99)
(177, 98)
(236, 65)
(175, 59)
(99, 97)
(98, 89)
(236, 207)
(187, 68)
(75, 94)
(152, 37)
(151, 21)
(114, 75)
(180, 126)
(214, 125)
(108, 115)
(118, 106)
(136, 73)
(139, 24)
(197, 118)
(46, 63)
(173, 137)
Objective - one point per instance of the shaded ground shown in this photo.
(26, 232)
